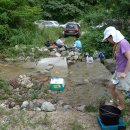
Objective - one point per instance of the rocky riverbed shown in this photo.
(27, 103)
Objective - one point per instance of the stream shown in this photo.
(9, 71)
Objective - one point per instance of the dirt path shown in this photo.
(86, 83)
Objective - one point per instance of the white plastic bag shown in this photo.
(89, 59)
(95, 54)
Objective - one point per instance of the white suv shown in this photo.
(47, 23)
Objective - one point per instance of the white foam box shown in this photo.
(57, 84)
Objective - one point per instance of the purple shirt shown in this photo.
(121, 60)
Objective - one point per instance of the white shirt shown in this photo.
(59, 42)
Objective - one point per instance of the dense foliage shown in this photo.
(15, 16)
(113, 12)
(65, 10)
(105, 13)
(17, 20)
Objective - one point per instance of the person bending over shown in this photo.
(60, 42)
(121, 52)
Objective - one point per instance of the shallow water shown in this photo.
(84, 83)
(10, 71)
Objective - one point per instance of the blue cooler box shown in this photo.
(120, 126)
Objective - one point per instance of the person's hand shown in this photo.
(122, 75)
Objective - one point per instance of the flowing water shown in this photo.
(10, 71)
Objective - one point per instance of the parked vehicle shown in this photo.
(64, 25)
(38, 21)
(99, 26)
(50, 23)
(47, 23)
(72, 29)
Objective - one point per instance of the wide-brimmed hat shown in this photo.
(116, 34)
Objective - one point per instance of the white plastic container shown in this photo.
(89, 59)
(57, 84)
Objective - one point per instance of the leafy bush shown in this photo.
(27, 39)
(92, 40)
(96, 15)
(14, 15)
(34, 36)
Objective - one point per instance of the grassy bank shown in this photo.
(27, 39)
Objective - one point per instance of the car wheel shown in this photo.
(65, 35)
(77, 36)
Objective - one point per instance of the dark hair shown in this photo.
(110, 36)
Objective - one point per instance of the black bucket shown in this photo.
(109, 114)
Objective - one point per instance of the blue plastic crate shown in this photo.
(120, 126)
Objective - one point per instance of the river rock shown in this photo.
(57, 54)
(81, 108)
(25, 104)
(49, 67)
(71, 53)
(3, 106)
(17, 107)
(37, 109)
(66, 107)
(47, 106)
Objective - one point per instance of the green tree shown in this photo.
(65, 10)
(14, 15)
(113, 12)
(119, 9)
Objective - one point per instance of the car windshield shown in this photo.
(71, 26)
(47, 23)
